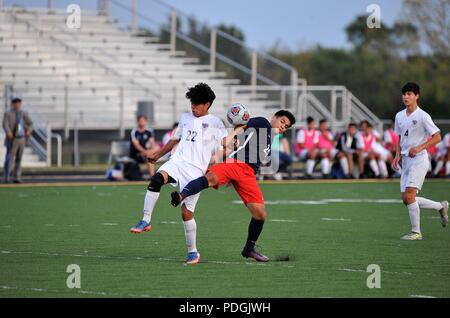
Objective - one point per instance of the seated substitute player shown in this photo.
(197, 137)
(414, 125)
(350, 148)
(374, 152)
(326, 148)
(142, 141)
(240, 169)
(306, 147)
(443, 157)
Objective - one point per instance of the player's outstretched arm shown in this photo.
(153, 157)
(229, 140)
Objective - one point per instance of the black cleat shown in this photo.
(176, 199)
(252, 253)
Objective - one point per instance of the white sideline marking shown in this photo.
(110, 224)
(49, 224)
(102, 194)
(88, 292)
(421, 296)
(360, 270)
(284, 221)
(327, 201)
(349, 270)
(169, 222)
(139, 258)
(341, 219)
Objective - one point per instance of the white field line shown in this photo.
(170, 222)
(421, 296)
(110, 224)
(327, 201)
(161, 259)
(341, 219)
(283, 221)
(382, 271)
(85, 292)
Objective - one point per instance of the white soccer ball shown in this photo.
(238, 115)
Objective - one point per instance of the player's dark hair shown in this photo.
(175, 125)
(352, 125)
(142, 116)
(286, 113)
(411, 87)
(323, 121)
(16, 100)
(369, 125)
(201, 94)
(309, 120)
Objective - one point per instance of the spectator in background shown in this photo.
(440, 155)
(391, 139)
(350, 148)
(326, 147)
(306, 145)
(373, 154)
(142, 141)
(18, 128)
(281, 151)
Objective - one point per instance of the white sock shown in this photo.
(414, 216)
(438, 168)
(447, 168)
(383, 168)
(325, 163)
(190, 233)
(429, 204)
(374, 167)
(309, 166)
(149, 204)
(344, 165)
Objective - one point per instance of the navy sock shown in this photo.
(254, 230)
(194, 187)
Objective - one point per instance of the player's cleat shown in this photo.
(444, 213)
(252, 253)
(413, 236)
(176, 199)
(193, 258)
(142, 226)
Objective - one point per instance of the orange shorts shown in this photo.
(241, 176)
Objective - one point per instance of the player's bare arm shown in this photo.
(396, 160)
(153, 156)
(228, 141)
(434, 140)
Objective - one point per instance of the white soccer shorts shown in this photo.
(183, 173)
(414, 171)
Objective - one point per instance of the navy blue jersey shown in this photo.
(255, 143)
(142, 137)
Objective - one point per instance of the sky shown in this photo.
(296, 24)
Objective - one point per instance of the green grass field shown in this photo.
(331, 232)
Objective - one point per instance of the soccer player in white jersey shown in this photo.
(198, 135)
(414, 125)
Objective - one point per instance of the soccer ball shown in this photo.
(238, 115)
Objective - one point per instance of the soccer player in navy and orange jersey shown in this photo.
(240, 168)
